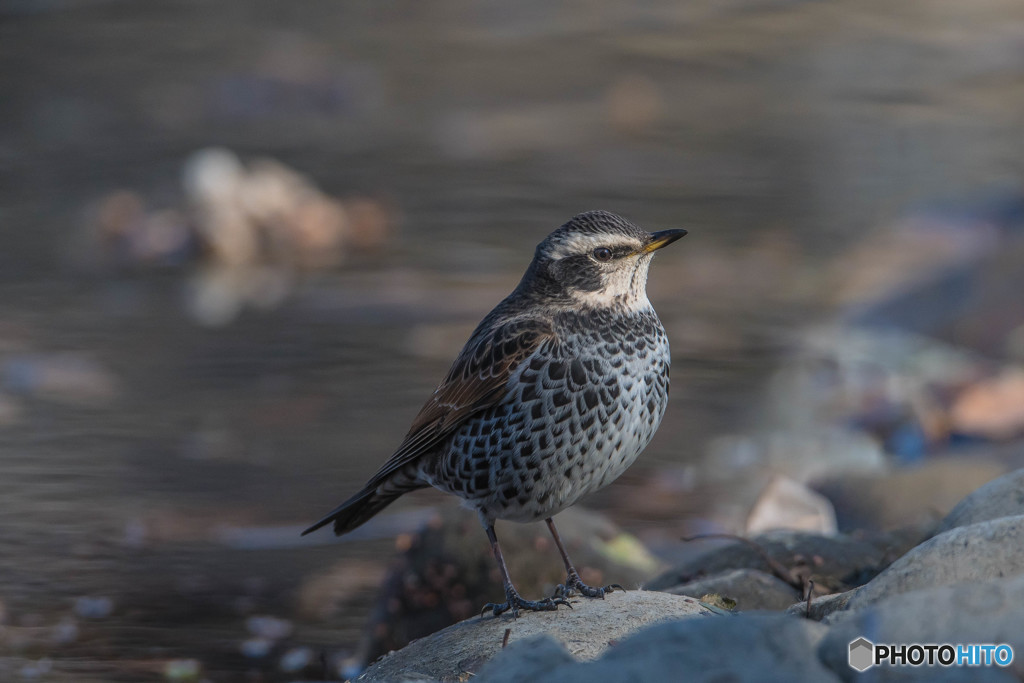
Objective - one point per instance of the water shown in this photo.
(172, 475)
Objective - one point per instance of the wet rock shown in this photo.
(262, 225)
(252, 228)
(834, 563)
(1002, 497)
(969, 612)
(444, 576)
(585, 631)
(750, 588)
(918, 495)
(977, 552)
(773, 648)
(788, 504)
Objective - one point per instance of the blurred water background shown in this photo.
(173, 411)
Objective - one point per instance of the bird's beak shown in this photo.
(662, 239)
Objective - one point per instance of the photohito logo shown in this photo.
(864, 654)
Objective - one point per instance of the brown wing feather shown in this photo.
(476, 381)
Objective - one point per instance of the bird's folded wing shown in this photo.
(477, 380)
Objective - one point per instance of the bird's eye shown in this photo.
(603, 254)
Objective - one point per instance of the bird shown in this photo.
(556, 393)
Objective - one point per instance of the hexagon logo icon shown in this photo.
(862, 654)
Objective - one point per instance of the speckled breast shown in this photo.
(578, 412)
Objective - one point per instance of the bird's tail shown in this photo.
(358, 509)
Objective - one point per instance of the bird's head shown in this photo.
(597, 260)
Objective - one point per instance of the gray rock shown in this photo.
(978, 552)
(735, 649)
(1002, 497)
(585, 631)
(834, 563)
(788, 504)
(448, 573)
(750, 588)
(822, 606)
(985, 612)
(526, 660)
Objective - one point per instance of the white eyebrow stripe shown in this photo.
(578, 244)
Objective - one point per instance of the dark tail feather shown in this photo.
(358, 509)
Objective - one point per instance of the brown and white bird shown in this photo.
(555, 394)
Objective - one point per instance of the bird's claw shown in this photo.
(514, 603)
(574, 586)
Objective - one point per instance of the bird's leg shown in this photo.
(573, 583)
(513, 601)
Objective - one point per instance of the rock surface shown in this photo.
(834, 563)
(821, 607)
(964, 585)
(1002, 497)
(975, 553)
(446, 572)
(788, 504)
(733, 648)
(985, 612)
(978, 552)
(585, 631)
(750, 588)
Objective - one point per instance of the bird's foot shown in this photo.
(574, 585)
(514, 602)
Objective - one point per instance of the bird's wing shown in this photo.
(477, 380)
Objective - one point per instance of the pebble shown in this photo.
(788, 504)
